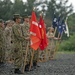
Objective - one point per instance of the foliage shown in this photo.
(7, 8)
(71, 23)
(69, 44)
(59, 8)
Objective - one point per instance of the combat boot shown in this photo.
(17, 71)
(35, 65)
(27, 68)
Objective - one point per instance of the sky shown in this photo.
(73, 3)
(70, 1)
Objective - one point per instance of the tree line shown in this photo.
(8, 8)
(49, 8)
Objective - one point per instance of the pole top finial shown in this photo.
(33, 8)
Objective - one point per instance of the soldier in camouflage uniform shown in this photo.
(18, 39)
(51, 45)
(2, 53)
(8, 46)
(26, 34)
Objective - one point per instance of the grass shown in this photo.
(66, 52)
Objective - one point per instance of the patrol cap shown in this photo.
(25, 16)
(16, 16)
(29, 16)
(1, 20)
(8, 21)
(51, 28)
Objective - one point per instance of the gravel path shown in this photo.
(63, 64)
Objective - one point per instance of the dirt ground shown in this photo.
(63, 64)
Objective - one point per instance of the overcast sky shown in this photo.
(70, 1)
(73, 3)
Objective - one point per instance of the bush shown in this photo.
(68, 45)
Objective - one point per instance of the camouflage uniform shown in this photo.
(18, 39)
(8, 48)
(2, 52)
(25, 32)
(42, 55)
(35, 58)
(51, 45)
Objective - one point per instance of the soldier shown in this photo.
(51, 45)
(8, 47)
(26, 34)
(2, 53)
(18, 39)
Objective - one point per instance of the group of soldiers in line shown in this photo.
(15, 44)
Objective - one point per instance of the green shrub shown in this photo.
(68, 45)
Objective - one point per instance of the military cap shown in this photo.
(51, 28)
(29, 16)
(1, 20)
(8, 21)
(16, 16)
(25, 16)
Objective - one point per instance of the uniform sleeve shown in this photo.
(6, 32)
(25, 31)
(17, 34)
(48, 36)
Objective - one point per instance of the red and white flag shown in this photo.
(44, 40)
(35, 36)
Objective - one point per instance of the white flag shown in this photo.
(67, 29)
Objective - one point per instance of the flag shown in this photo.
(54, 22)
(60, 30)
(35, 36)
(44, 41)
(63, 26)
(59, 26)
(67, 29)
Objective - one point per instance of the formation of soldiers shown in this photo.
(15, 44)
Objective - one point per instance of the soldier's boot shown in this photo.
(17, 71)
(1, 62)
(27, 68)
(35, 65)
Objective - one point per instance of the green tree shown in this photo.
(18, 7)
(71, 23)
(30, 5)
(68, 45)
(59, 8)
(5, 8)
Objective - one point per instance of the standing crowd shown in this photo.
(15, 44)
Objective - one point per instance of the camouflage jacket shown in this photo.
(17, 33)
(25, 29)
(1, 37)
(8, 34)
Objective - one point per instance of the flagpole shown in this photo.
(38, 60)
(31, 60)
(44, 57)
(25, 57)
(32, 53)
(57, 43)
(55, 31)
